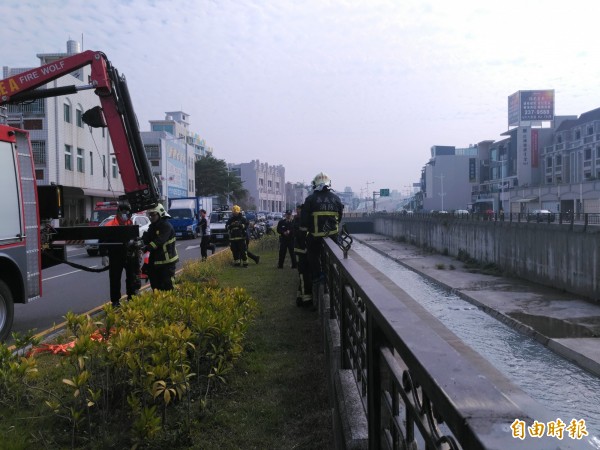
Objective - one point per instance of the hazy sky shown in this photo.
(358, 89)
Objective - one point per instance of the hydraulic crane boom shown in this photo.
(116, 113)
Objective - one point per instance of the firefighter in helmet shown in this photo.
(159, 240)
(236, 227)
(321, 215)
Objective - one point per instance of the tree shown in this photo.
(213, 179)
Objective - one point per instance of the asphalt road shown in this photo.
(65, 288)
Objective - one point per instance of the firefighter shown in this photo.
(285, 229)
(159, 240)
(236, 226)
(321, 215)
(304, 294)
(121, 257)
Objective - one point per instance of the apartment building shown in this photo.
(66, 151)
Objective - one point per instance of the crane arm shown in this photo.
(116, 113)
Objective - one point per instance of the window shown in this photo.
(39, 151)
(68, 157)
(163, 127)
(577, 134)
(80, 162)
(558, 160)
(590, 130)
(67, 112)
(91, 163)
(34, 106)
(261, 182)
(79, 118)
(33, 124)
(113, 163)
(548, 162)
(39, 174)
(559, 139)
(588, 153)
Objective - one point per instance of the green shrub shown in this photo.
(125, 371)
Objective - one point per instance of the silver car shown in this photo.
(91, 245)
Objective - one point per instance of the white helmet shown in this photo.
(321, 181)
(160, 209)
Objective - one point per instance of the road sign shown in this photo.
(384, 192)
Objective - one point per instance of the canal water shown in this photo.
(565, 389)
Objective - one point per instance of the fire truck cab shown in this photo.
(28, 242)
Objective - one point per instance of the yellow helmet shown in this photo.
(236, 209)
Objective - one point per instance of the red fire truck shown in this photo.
(101, 211)
(28, 242)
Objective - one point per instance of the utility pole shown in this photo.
(367, 193)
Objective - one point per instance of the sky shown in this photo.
(358, 89)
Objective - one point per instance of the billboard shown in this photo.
(530, 106)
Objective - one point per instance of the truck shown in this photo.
(29, 242)
(218, 231)
(185, 214)
(101, 211)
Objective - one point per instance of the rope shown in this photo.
(75, 265)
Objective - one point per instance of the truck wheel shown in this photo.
(7, 311)
(92, 252)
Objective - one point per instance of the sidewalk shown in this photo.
(567, 324)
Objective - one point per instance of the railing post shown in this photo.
(373, 383)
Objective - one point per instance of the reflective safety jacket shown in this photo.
(322, 213)
(236, 227)
(299, 236)
(160, 242)
(114, 250)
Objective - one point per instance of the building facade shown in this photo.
(172, 150)
(66, 151)
(448, 178)
(265, 185)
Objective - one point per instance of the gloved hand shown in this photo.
(105, 261)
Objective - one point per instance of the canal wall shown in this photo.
(556, 255)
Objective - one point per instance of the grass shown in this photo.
(277, 396)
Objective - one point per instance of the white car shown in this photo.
(91, 245)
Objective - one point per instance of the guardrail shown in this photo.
(395, 383)
(584, 219)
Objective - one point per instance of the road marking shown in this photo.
(191, 247)
(67, 273)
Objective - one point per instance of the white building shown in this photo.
(172, 151)
(265, 185)
(66, 151)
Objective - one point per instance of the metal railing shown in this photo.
(568, 218)
(417, 389)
